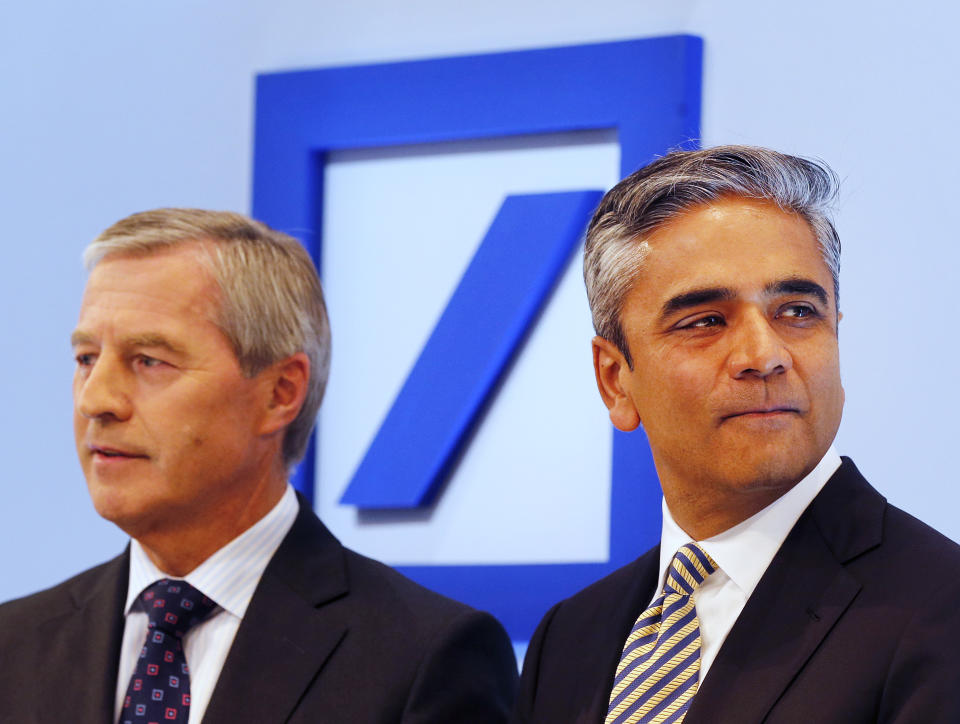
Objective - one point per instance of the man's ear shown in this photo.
(612, 371)
(288, 380)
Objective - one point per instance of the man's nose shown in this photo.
(758, 350)
(102, 391)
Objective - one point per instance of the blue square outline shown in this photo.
(647, 90)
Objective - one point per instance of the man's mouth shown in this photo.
(761, 412)
(112, 452)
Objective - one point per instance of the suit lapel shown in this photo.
(285, 637)
(85, 641)
(802, 595)
(794, 606)
(606, 642)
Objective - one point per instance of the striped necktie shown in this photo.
(660, 665)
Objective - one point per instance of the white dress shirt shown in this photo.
(743, 554)
(229, 578)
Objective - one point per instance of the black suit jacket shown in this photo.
(857, 619)
(329, 636)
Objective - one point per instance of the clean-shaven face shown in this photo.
(732, 326)
(164, 419)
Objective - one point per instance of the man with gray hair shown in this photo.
(784, 588)
(202, 352)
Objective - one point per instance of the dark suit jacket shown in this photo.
(857, 619)
(329, 636)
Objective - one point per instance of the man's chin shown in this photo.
(771, 475)
(113, 505)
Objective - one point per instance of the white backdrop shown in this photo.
(400, 228)
(113, 107)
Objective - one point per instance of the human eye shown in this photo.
(702, 321)
(84, 359)
(145, 360)
(799, 310)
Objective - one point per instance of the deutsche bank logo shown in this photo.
(645, 95)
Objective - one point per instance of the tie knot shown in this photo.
(175, 606)
(688, 570)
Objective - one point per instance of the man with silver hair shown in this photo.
(202, 352)
(784, 588)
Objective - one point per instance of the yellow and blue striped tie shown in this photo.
(660, 665)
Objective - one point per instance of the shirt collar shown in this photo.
(745, 551)
(230, 575)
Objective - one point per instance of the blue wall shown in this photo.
(115, 107)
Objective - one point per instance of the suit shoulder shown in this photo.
(381, 585)
(902, 522)
(917, 541)
(594, 622)
(437, 659)
(863, 529)
(615, 600)
(58, 600)
(625, 582)
(414, 618)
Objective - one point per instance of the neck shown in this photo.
(178, 550)
(705, 521)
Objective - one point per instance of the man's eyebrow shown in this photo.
(148, 339)
(798, 285)
(78, 338)
(695, 298)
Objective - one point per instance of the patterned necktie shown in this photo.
(159, 690)
(660, 665)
